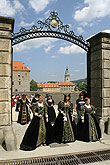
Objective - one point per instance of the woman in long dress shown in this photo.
(51, 120)
(51, 110)
(36, 132)
(64, 121)
(77, 107)
(23, 117)
(88, 128)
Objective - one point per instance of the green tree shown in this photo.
(83, 85)
(33, 85)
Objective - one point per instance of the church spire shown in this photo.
(67, 75)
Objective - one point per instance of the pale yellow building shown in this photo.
(56, 87)
(49, 87)
(66, 86)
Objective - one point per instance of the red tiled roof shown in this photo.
(19, 66)
(54, 85)
(66, 84)
(48, 85)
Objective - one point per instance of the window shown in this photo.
(19, 82)
(18, 75)
(12, 82)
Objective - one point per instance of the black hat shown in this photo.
(66, 95)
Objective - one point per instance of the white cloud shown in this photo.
(74, 49)
(7, 8)
(93, 9)
(48, 48)
(47, 13)
(39, 5)
(33, 43)
(63, 43)
(53, 56)
(80, 30)
(18, 5)
(22, 23)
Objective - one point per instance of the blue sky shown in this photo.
(47, 57)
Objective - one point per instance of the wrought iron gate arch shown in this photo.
(52, 27)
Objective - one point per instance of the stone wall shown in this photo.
(23, 79)
(100, 76)
(6, 28)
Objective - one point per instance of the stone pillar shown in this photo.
(100, 75)
(88, 74)
(109, 126)
(6, 28)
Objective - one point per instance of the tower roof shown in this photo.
(19, 66)
(67, 71)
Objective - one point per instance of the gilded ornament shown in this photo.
(53, 23)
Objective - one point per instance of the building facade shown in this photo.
(56, 87)
(48, 87)
(21, 77)
(65, 86)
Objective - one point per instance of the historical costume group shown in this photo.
(45, 128)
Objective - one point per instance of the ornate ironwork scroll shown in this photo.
(52, 27)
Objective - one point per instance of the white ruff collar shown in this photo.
(40, 104)
(88, 106)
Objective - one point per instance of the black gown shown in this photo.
(23, 117)
(51, 112)
(36, 132)
(50, 129)
(79, 103)
(64, 131)
(89, 130)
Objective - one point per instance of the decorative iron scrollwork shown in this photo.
(52, 27)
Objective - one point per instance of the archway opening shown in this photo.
(60, 55)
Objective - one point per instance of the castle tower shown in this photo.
(67, 75)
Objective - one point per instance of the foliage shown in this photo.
(82, 85)
(33, 85)
(52, 82)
